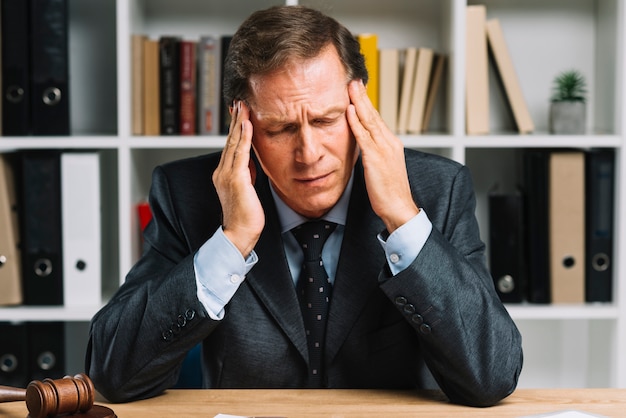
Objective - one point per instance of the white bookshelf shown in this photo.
(565, 346)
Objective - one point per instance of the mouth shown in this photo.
(313, 180)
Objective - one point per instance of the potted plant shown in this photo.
(568, 103)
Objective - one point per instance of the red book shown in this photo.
(187, 87)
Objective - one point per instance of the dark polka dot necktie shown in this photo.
(314, 291)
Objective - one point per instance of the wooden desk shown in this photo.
(344, 403)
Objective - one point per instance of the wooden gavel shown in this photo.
(48, 398)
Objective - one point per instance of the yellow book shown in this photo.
(369, 49)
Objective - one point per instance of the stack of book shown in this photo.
(176, 85)
(403, 83)
(484, 36)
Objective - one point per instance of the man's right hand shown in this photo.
(243, 216)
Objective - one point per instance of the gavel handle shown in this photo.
(11, 394)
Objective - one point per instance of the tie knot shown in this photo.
(311, 236)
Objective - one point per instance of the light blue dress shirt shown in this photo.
(220, 268)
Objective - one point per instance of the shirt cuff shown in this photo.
(220, 269)
(406, 242)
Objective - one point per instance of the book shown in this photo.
(209, 80)
(406, 88)
(151, 88)
(389, 86)
(508, 77)
(423, 68)
(476, 71)
(599, 224)
(169, 84)
(137, 84)
(188, 87)
(81, 227)
(50, 104)
(224, 113)
(369, 49)
(10, 258)
(567, 226)
(14, 27)
(436, 77)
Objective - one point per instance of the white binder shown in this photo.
(82, 240)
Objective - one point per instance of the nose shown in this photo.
(309, 148)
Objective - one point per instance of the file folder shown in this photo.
(49, 67)
(15, 67)
(81, 224)
(10, 270)
(14, 355)
(599, 197)
(40, 229)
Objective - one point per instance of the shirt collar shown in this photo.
(289, 218)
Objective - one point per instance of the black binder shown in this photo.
(507, 257)
(599, 177)
(14, 355)
(536, 185)
(49, 67)
(169, 81)
(46, 350)
(15, 68)
(41, 232)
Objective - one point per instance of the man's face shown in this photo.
(301, 134)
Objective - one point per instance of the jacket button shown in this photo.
(190, 314)
(167, 335)
(417, 319)
(409, 308)
(181, 321)
(425, 329)
(401, 301)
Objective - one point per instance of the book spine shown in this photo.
(209, 79)
(169, 76)
(187, 87)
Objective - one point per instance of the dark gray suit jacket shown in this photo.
(441, 312)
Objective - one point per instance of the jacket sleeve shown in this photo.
(139, 340)
(469, 342)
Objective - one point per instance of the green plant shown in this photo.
(569, 86)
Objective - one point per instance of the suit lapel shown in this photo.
(359, 263)
(271, 278)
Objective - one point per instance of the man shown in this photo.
(410, 296)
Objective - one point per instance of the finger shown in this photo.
(365, 110)
(230, 139)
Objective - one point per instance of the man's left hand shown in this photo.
(382, 152)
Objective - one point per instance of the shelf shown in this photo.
(563, 312)
(47, 313)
